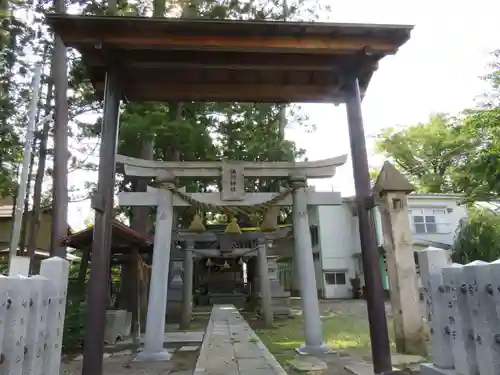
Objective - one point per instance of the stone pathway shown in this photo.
(232, 347)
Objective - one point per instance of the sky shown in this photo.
(437, 70)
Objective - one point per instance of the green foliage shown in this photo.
(477, 237)
(74, 324)
(448, 154)
(479, 177)
(74, 321)
(428, 153)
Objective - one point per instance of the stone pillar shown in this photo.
(56, 270)
(19, 266)
(187, 295)
(155, 324)
(306, 274)
(392, 188)
(463, 348)
(175, 289)
(432, 261)
(478, 282)
(265, 286)
(280, 298)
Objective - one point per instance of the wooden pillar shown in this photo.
(102, 203)
(392, 188)
(82, 272)
(135, 298)
(379, 336)
(144, 295)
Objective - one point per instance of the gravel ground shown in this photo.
(183, 363)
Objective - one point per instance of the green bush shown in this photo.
(74, 324)
(477, 237)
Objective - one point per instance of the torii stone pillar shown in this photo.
(155, 324)
(305, 266)
(392, 189)
(187, 292)
(264, 283)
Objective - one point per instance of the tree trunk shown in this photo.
(159, 8)
(26, 213)
(140, 223)
(61, 153)
(140, 215)
(40, 173)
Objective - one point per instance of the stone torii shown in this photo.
(232, 175)
(225, 240)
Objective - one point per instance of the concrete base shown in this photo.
(174, 311)
(403, 360)
(162, 356)
(432, 369)
(280, 306)
(118, 325)
(313, 350)
(309, 365)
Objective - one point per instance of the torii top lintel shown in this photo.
(171, 59)
(307, 169)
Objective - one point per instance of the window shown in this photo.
(314, 235)
(335, 278)
(427, 220)
(417, 264)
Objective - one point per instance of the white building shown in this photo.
(433, 217)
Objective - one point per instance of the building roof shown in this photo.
(123, 239)
(7, 207)
(172, 59)
(437, 195)
(427, 243)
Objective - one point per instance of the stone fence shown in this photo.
(463, 306)
(31, 320)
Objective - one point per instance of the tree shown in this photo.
(477, 237)
(429, 153)
(16, 36)
(479, 178)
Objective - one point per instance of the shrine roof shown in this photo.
(172, 59)
(123, 239)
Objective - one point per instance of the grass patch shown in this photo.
(343, 332)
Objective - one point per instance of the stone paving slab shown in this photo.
(193, 337)
(230, 346)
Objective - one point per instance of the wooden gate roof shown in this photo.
(165, 59)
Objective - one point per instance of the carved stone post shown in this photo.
(392, 188)
(265, 286)
(157, 306)
(187, 292)
(305, 267)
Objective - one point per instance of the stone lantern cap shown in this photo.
(392, 180)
